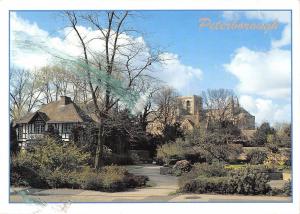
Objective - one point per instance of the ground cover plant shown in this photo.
(214, 178)
(52, 164)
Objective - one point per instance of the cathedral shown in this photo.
(191, 113)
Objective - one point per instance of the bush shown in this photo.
(256, 156)
(287, 154)
(63, 179)
(249, 180)
(170, 151)
(273, 148)
(206, 185)
(245, 181)
(201, 170)
(112, 179)
(262, 133)
(276, 160)
(48, 164)
(287, 188)
(215, 144)
(53, 165)
(22, 174)
(133, 181)
(215, 169)
(180, 167)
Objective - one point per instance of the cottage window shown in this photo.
(67, 127)
(20, 132)
(39, 127)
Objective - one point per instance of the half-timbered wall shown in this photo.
(37, 128)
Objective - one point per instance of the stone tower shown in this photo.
(191, 107)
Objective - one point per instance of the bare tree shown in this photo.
(149, 107)
(120, 59)
(219, 104)
(57, 81)
(166, 107)
(25, 92)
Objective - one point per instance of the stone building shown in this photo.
(191, 113)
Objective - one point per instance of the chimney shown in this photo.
(64, 100)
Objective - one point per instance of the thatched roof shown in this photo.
(30, 116)
(62, 111)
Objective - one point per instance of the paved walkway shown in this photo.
(162, 189)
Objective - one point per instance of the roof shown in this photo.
(30, 116)
(61, 111)
(189, 121)
(248, 133)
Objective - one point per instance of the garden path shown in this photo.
(162, 189)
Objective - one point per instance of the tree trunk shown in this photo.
(100, 147)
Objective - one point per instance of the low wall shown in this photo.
(275, 175)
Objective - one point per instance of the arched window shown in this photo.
(188, 106)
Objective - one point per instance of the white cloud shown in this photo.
(173, 72)
(285, 38)
(266, 74)
(266, 109)
(283, 17)
(280, 16)
(176, 74)
(26, 58)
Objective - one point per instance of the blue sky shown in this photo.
(250, 55)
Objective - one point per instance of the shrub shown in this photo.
(249, 180)
(287, 188)
(48, 164)
(276, 160)
(63, 179)
(93, 182)
(23, 174)
(261, 134)
(275, 191)
(246, 181)
(133, 181)
(53, 165)
(111, 179)
(273, 148)
(215, 169)
(215, 144)
(256, 156)
(180, 167)
(170, 151)
(287, 155)
(206, 185)
(202, 170)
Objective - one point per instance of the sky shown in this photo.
(256, 64)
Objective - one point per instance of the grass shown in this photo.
(235, 166)
(173, 193)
